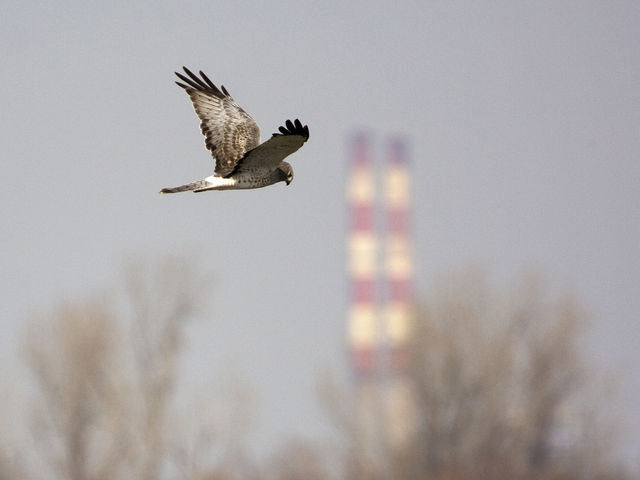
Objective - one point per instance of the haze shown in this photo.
(524, 125)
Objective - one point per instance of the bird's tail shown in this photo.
(186, 188)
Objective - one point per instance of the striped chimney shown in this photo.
(398, 308)
(398, 263)
(362, 258)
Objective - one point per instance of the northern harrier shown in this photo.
(233, 138)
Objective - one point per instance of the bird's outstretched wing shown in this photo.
(229, 131)
(270, 153)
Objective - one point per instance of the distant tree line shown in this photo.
(500, 384)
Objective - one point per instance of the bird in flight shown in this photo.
(233, 138)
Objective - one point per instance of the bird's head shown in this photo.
(286, 172)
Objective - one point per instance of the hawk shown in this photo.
(233, 138)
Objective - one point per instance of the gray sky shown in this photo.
(524, 120)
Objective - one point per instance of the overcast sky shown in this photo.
(524, 123)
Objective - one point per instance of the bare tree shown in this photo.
(104, 377)
(78, 424)
(160, 299)
(501, 381)
(501, 389)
